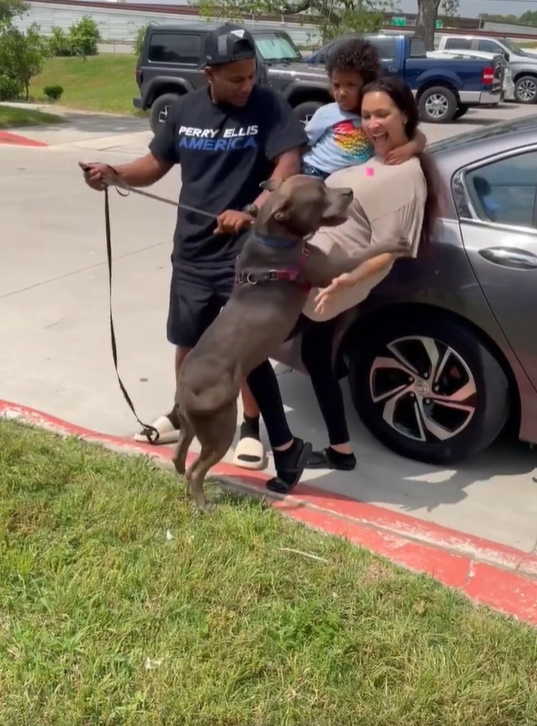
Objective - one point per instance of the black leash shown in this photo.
(150, 432)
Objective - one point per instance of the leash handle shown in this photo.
(150, 432)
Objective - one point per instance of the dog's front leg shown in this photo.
(320, 270)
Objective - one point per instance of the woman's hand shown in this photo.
(231, 221)
(324, 296)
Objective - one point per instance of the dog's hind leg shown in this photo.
(185, 439)
(216, 437)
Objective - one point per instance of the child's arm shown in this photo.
(317, 125)
(412, 148)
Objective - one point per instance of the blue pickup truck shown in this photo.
(445, 88)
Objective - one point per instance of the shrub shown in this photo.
(84, 37)
(10, 88)
(22, 55)
(139, 38)
(53, 92)
(60, 43)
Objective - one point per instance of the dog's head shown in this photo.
(300, 205)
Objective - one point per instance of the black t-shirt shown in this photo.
(225, 152)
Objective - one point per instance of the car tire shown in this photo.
(159, 109)
(437, 105)
(461, 110)
(403, 421)
(305, 111)
(526, 90)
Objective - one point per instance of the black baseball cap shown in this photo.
(227, 44)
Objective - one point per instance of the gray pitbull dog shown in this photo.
(274, 273)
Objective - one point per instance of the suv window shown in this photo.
(504, 191)
(174, 48)
(488, 46)
(387, 47)
(458, 44)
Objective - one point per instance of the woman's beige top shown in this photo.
(389, 203)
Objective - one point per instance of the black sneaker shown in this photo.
(331, 459)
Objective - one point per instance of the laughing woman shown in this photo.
(390, 202)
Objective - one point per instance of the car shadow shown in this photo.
(382, 477)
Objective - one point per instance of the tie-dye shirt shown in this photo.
(337, 140)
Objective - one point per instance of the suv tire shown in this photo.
(526, 90)
(469, 376)
(305, 111)
(437, 105)
(159, 109)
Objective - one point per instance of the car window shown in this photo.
(458, 44)
(418, 49)
(504, 190)
(488, 46)
(387, 47)
(175, 48)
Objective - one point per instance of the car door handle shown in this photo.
(510, 257)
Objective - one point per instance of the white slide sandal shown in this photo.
(250, 454)
(168, 434)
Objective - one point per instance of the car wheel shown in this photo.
(160, 109)
(305, 111)
(438, 105)
(461, 111)
(526, 89)
(429, 390)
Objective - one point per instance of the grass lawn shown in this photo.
(101, 83)
(17, 117)
(108, 620)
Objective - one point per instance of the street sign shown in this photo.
(400, 22)
(439, 24)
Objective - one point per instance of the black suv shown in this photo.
(170, 65)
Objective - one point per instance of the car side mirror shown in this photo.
(507, 56)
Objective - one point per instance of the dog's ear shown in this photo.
(270, 185)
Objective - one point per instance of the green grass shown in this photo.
(11, 117)
(240, 630)
(101, 83)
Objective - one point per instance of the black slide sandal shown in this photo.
(279, 485)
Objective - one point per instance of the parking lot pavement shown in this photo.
(56, 353)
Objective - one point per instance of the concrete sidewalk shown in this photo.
(56, 353)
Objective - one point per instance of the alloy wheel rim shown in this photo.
(527, 90)
(423, 389)
(436, 105)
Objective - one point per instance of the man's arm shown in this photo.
(143, 172)
(163, 154)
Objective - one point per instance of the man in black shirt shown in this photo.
(227, 138)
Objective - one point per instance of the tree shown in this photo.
(22, 55)
(449, 8)
(9, 10)
(426, 21)
(334, 18)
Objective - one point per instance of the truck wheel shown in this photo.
(438, 105)
(160, 109)
(462, 109)
(526, 89)
(305, 111)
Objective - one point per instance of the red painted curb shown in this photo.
(14, 139)
(488, 572)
